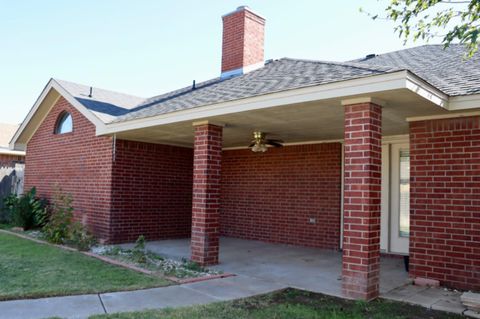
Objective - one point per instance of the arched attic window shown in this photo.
(64, 123)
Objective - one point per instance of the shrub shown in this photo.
(26, 211)
(61, 229)
(6, 213)
(60, 219)
(80, 238)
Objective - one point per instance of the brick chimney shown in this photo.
(242, 45)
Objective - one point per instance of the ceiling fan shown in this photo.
(260, 142)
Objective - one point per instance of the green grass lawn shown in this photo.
(32, 270)
(291, 304)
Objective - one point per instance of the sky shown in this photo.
(148, 47)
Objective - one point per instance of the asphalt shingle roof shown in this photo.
(106, 105)
(275, 76)
(447, 70)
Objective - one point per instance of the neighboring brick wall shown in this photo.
(361, 235)
(243, 39)
(445, 201)
(7, 160)
(271, 196)
(78, 162)
(206, 194)
(152, 191)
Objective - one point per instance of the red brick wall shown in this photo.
(152, 184)
(243, 39)
(152, 191)
(78, 162)
(206, 194)
(445, 201)
(361, 205)
(7, 160)
(271, 196)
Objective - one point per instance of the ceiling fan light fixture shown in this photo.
(260, 143)
(259, 148)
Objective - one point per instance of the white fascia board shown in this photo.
(52, 84)
(366, 85)
(6, 151)
(465, 102)
(427, 91)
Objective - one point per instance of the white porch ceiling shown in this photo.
(294, 123)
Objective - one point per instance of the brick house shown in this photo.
(380, 154)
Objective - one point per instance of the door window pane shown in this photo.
(404, 193)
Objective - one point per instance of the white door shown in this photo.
(395, 217)
(400, 198)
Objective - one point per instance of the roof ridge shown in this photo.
(406, 49)
(378, 68)
(60, 81)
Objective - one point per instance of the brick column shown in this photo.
(361, 241)
(206, 193)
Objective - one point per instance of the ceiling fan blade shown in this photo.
(251, 144)
(274, 144)
(275, 141)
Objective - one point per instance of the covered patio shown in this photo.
(313, 269)
(323, 189)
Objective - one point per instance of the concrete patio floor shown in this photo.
(312, 269)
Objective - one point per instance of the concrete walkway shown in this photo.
(173, 296)
(198, 293)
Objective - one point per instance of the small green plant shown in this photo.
(139, 254)
(60, 220)
(114, 251)
(80, 237)
(26, 211)
(191, 265)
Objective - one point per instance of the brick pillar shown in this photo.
(361, 242)
(206, 193)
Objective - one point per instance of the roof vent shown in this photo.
(369, 56)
